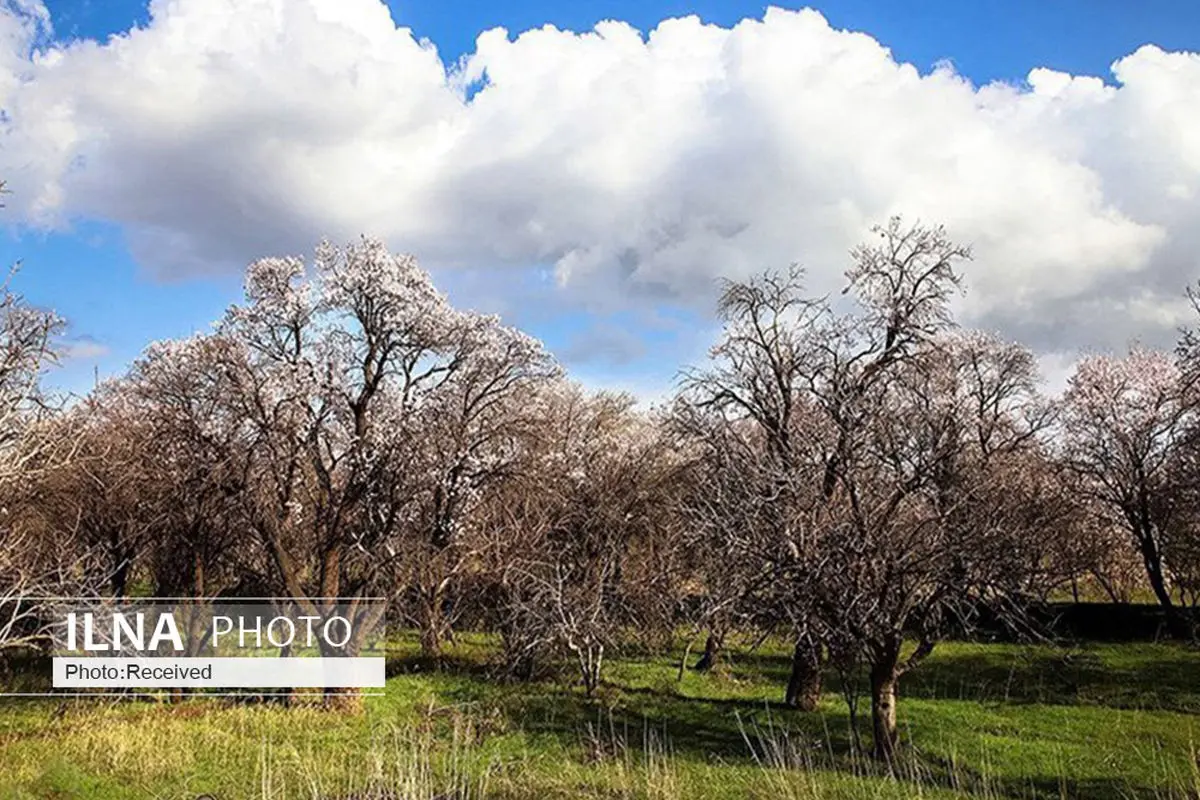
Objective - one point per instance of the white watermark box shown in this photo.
(218, 673)
(260, 643)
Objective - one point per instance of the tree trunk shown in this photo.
(804, 685)
(343, 699)
(431, 640)
(121, 566)
(712, 649)
(433, 623)
(1177, 625)
(521, 664)
(591, 660)
(884, 677)
(286, 695)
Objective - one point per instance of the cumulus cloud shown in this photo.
(634, 167)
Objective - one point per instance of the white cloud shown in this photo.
(84, 348)
(637, 167)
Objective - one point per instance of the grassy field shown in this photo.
(1111, 721)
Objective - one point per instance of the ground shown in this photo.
(978, 720)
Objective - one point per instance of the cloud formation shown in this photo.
(636, 168)
(84, 348)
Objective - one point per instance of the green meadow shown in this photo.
(978, 720)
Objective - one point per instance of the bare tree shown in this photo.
(937, 504)
(102, 497)
(574, 552)
(36, 561)
(27, 349)
(759, 465)
(881, 462)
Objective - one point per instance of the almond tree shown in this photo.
(933, 510)
(876, 440)
(575, 546)
(486, 410)
(147, 499)
(199, 459)
(371, 409)
(1125, 421)
(27, 349)
(329, 376)
(758, 471)
(35, 561)
(721, 502)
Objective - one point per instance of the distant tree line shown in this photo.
(859, 475)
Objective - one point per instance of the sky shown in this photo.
(590, 170)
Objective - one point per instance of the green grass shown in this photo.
(1108, 721)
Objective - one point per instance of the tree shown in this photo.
(324, 374)
(1124, 421)
(34, 561)
(576, 549)
(370, 411)
(486, 409)
(758, 465)
(879, 461)
(27, 349)
(102, 497)
(935, 504)
(199, 453)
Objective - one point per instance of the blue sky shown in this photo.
(85, 266)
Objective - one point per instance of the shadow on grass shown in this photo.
(734, 730)
(1165, 679)
(1154, 677)
(956, 776)
(700, 722)
(704, 725)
